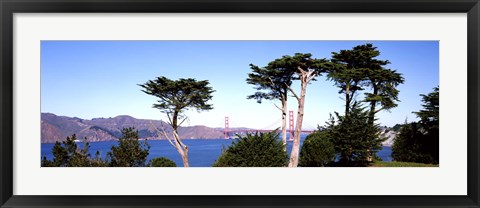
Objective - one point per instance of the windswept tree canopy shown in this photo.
(304, 62)
(351, 66)
(271, 82)
(419, 141)
(306, 69)
(429, 115)
(175, 96)
(274, 80)
(348, 68)
(358, 68)
(384, 83)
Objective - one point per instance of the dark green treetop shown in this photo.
(381, 80)
(67, 154)
(356, 140)
(317, 150)
(384, 83)
(175, 96)
(357, 69)
(130, 152)
(271, 82)
(254, 150)
(419, 141)
(429, 115)
(348, 71)
(306, 70)
(161, 162)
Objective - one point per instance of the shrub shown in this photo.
(68, 154)
(317, 150)
(355, 138)
(254, 150)
(419, 141)
(130, 152)
(413, 145)
(161, 162)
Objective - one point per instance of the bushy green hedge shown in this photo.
(412, 144)
(161, 162)
(317, 150)
(254, 150)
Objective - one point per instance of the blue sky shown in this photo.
(91, 79)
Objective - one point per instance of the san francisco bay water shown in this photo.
(202, 152)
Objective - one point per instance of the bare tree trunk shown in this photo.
(298, 128)
(181, 148)
(284, 125)
(372, 118)
(184, 154)
(372, 106)
(347, 99)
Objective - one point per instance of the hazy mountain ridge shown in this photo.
(57, 128)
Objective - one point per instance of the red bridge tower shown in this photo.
(290, 124)
(225, 130)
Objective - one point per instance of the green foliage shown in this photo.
(254, 150)
(130, 152)
(46, 163)
(410, 145)
(161, 162)
(347, 71)
(97, 161)
(271, 82)
(419, 141)
(401, 164)
(429, 116)
(317, 150)
(397, 127)
(176, 96)
(384, 83)
(355, 69)
(67, 154)
(356, 140)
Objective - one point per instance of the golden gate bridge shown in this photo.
(291, 129)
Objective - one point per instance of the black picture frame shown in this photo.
(10, 7)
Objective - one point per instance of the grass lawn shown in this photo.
(401, 164)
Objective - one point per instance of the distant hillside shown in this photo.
(57, 128)
(390, 133)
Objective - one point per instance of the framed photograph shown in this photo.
(268, 103)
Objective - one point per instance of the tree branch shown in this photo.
(164, 132)
(382, 108)
(169, 119)
(293, 92)
(271, 81)
(167, 137)
(300, 69)
(277, 106)
(177, 139)
(182, 121)
(310, 75)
